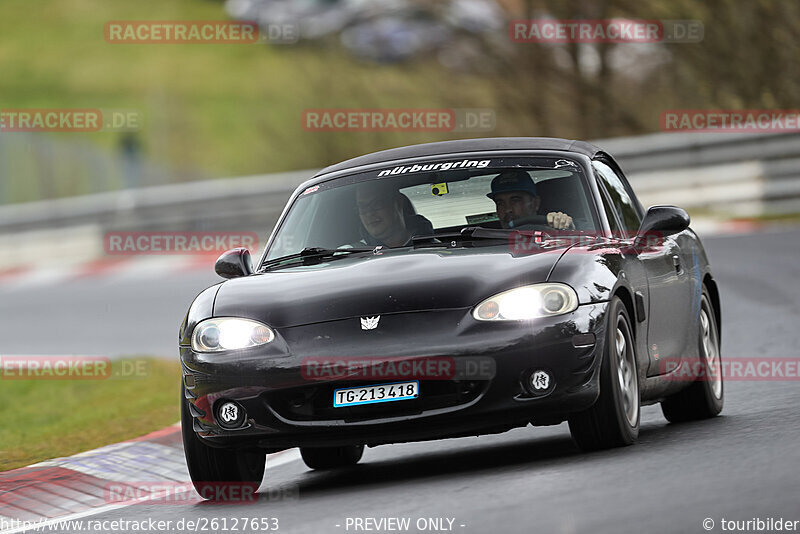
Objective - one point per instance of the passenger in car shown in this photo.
(388, 216)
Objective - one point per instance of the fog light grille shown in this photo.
(230, 414)
(538, 382)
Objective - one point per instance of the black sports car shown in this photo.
(450, 289)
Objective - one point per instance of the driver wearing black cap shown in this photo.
(514, 195)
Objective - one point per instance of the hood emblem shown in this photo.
(370, 323)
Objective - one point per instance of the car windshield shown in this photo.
(389, 206)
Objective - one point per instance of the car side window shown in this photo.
(621, 201)
(610, 215)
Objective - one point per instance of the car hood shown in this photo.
(394, 282)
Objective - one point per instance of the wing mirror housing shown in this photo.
(663, 221)
(234, 263)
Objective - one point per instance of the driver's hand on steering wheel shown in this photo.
(560, 221)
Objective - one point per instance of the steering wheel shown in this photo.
(531, 220)
(534, 223)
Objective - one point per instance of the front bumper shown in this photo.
(287, 406)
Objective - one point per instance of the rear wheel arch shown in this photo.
(704, 396)
(713, 292)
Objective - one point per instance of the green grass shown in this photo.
(50, 418)
(208, 109)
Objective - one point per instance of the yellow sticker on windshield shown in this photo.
(439, 189)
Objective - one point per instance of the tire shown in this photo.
(331, 457)
(613, 421)
(704, 398)
(220, 474)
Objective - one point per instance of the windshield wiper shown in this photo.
(313, 255)
(478, 233)
(452, 239)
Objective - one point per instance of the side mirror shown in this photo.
(664, 221)
(234, 263)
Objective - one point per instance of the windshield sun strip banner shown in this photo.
(440, 166)
(530, 163)
(543, 163)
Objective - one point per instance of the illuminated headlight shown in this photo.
(527, 302)
(230, 333)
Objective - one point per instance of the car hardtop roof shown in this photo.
(466, 145)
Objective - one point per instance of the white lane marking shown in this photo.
(273, 460)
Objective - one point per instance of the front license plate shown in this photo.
(377, 393)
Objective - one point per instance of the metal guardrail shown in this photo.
(248, 203)
(688, 150)
(732, 174)
(724, 174)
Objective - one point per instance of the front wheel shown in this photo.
(220, 474)
(331, 457)
(704, 397)
(613, 421)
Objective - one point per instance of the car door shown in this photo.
(668, 299)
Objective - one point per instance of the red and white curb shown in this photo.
(711, 227)
(110, 269)
(64, 489)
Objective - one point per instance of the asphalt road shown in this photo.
(741, 465)
(109, 316)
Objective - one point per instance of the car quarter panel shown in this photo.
(600, 271)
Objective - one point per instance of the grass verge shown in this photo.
(50, 418)
(208, 110)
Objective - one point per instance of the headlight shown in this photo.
(229, 333)
(527, 302)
